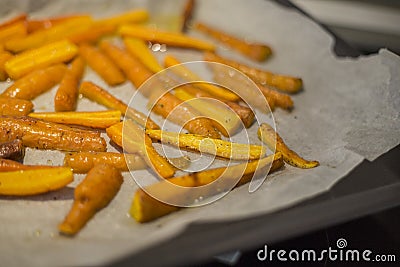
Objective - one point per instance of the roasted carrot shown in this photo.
(52, 34)
(13, 150)
(101, 96)
(285, 83)
(15, 107)
(101, 64)
(93, 34)
(47, 135)
(140, 50)
(254, 51)
(278, 99)
(134, 140)
(82, 162)
(67, 93)
(4, 57)
(187, 14)
(165, 37)
(34, 181)
(272, 139)
(42, 24)
(13, 20)
(39, 58)
(145, 207)
(190, 76)
(131, 16)
(13, 31)
(36, 82)
(94, 193)
(92, 119)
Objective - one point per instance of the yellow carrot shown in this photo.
(101, 96)
(140, 50)
(93, 34)
(13, 31)
(132, 16)
(36, 82)
(14, 20)
(40, 58)
(4, 57)
(102, 64)
(93, 119)
(67, 93)
(165, 37)
(34, 181)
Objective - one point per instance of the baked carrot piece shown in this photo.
(50, 35)
(13, 150)
(18, 18)
(39, 134)
(34, 181)
(101, 96)
(82, 162)
(36, 82)
(272, 139)
(13, 31)
(39, 58)
(285, 83)
(101, 64)
(93, 34)
(165, 37)
(7, 165)
(131, 16)
(92, 119)
(190, 76)
(134, 140)
(278, 99)
(187, 14)
(94, 193)
(67, 93)
(4, 57)
(42, 24)
(140, 50)
(15, 107)
(255, 51)
(145, 208)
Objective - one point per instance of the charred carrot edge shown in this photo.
(255, 51)
(36, 82)
(287, 84)
(67, 93)
(272, 139)
(101, 64)
(94, 193)
(101, 96)
(15, 107)
(187, 14)
(13, 150)
(145, 208)
(165, 37)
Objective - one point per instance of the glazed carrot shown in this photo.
(93, 34)
(272, 139)
(190, 76)
(134, 70)
(7, 165)
(132, 16)
(94, 193)
(278, 99)
(34, 181)
(48, 135)
(134, 140)
(101, 96)
(140, 50)
(101, 64)
(13, 31)
(165, 37)
(39, 58)
(287, 84)
(41, 24)
(13, 150)
(15, 107)
(145, 208)
(52, 34)
(4, 57)
(67, 93)
(93, 119)
(14, 20)
(254, 51)
(36, 82)
(187, 14)
(82, 162)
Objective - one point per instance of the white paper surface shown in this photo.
(348, 111)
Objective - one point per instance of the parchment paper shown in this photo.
(348, 111)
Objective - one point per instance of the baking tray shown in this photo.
(369, 188)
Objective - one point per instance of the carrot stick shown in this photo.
(18, 18)
(4, 57)
(94, 193)
(165, 37)
(187, 14)
(36, 82)
(93, 34)
(42, 24)
(139, 49)
(13, 31)
(254, 51)
(101, 96)
(15, 107)
(102, 64)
